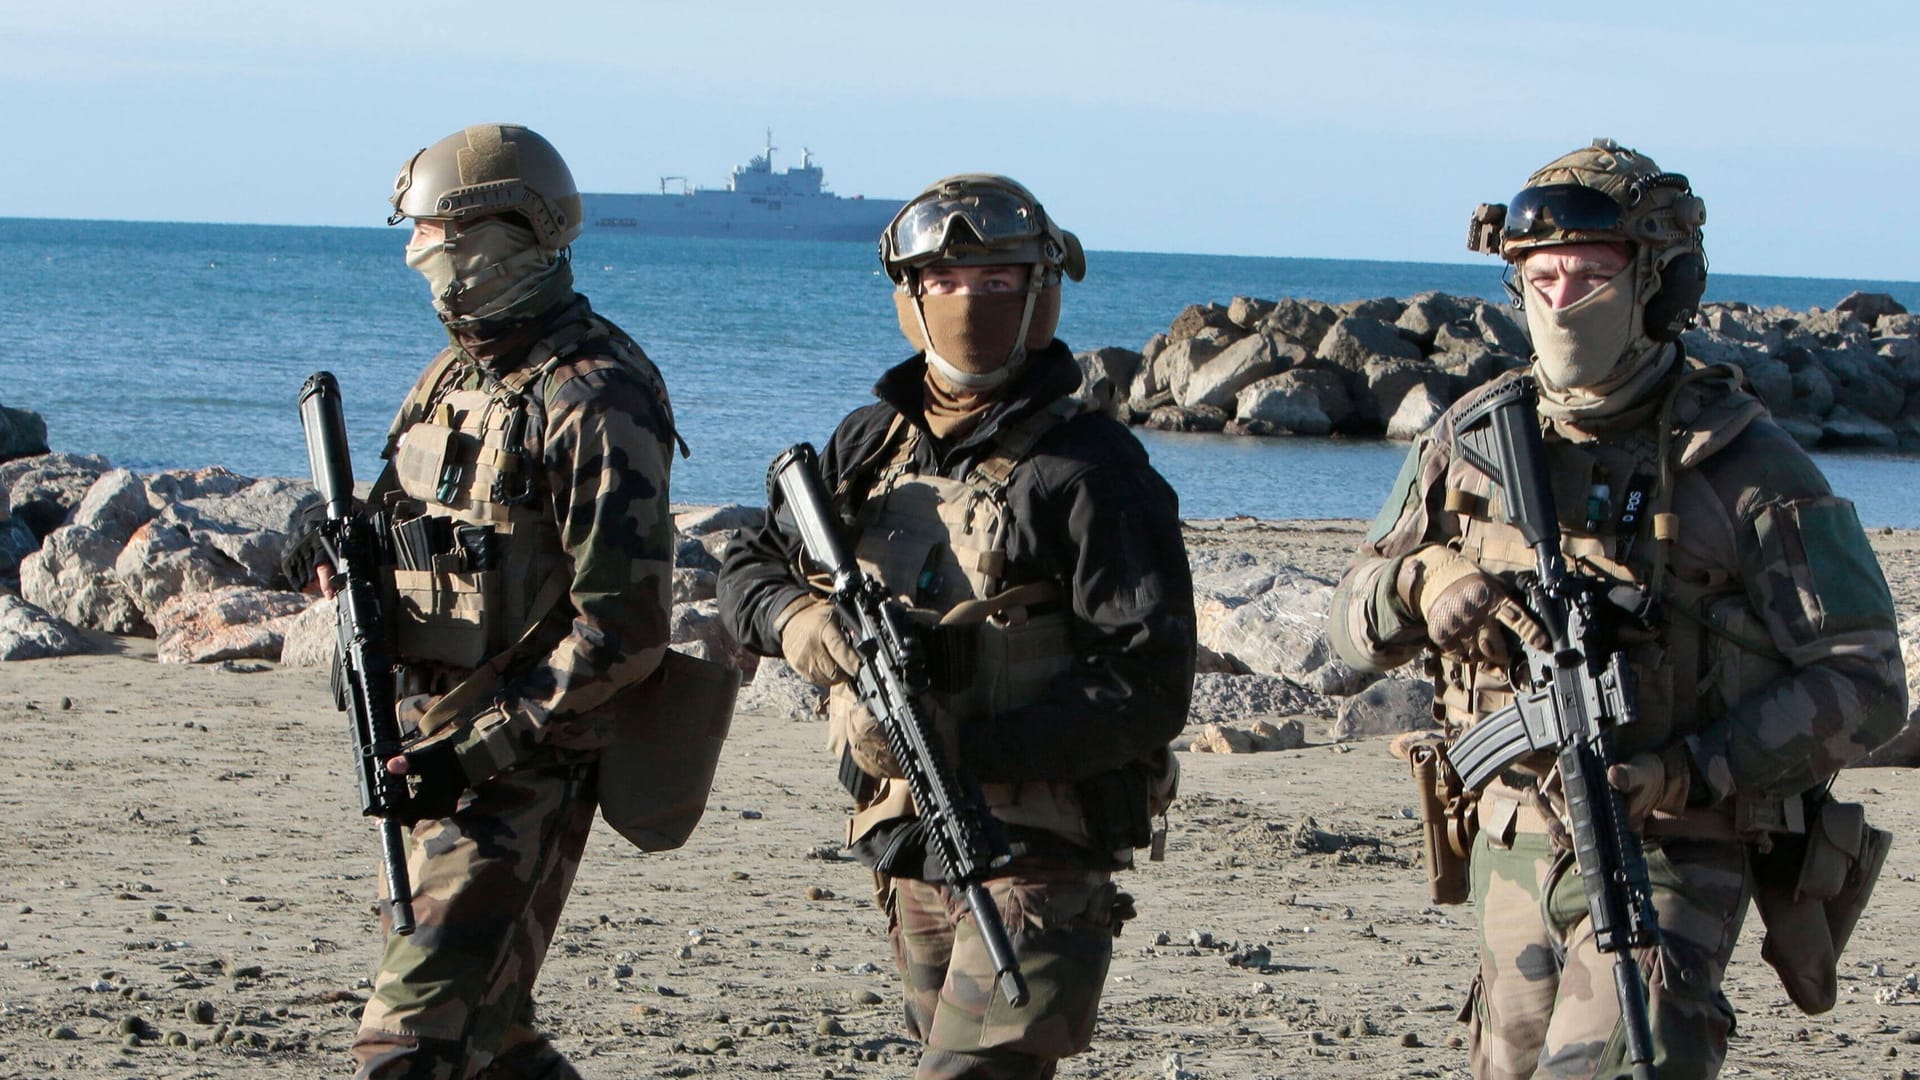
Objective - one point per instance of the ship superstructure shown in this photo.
(757, 203)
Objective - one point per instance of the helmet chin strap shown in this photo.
(1016, 358)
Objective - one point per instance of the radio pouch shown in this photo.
(1810, 891)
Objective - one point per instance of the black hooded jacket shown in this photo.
(1089, 513)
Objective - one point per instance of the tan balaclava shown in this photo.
(975, 343)
(486, 271)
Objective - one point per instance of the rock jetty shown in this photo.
(1849, 377)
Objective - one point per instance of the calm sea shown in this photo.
(175, 345)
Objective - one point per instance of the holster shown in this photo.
(1449, 819)
(1810, 890)
(655, 777)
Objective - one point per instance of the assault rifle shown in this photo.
(364, 680)
(891, 678)
(1570, 698)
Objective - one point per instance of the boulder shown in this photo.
(697, 631)
(1300, 401)
(1221, 699)
(1812, 391)
(309, 637)
(1844, 427)
(780, 692)
(1384, 308)
(714, 518)
(1861, 381)
(1106, 376)
(1247, 313)
(1419, 407)
(1807, 433)
(16, 543)
(1200, 418)
(1356, 340)
(1187, 355)
(1870, 307)
(22, 434)
(42, 490)
(179, 485)
(28, 633)
(1736, 321)
(1221, 739)
(1198, 317)
(1468, 367)
(234, 623)
(1501, 330)
(72, 576)
(1303, 322)
(1384, 384)
(1902, 356)
(690, 553)
(1772, 383)
(691, 584)
(1898, 326)
(115, 505)
(1428, 312)
(1244, 363)
(1388, 707)
(169, 556)
(1279, 630)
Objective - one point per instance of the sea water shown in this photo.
(182, 345)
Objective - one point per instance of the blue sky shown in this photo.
(1324, 129)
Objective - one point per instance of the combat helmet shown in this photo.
(1602, 193)
(977, 219)
(492, 169)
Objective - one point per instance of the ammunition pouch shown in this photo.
(1449, 819)
(1810, 890)
(656, 775)
(446, 587)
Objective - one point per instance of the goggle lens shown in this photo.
(995, 217)
(1567, 208)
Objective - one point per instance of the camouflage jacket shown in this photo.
(1777, 660)
(600, 433)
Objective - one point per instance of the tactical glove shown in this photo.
(1463, 606)
(438, 781)
(813, 643)
(1650, 782)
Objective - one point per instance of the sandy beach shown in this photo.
(188, 894)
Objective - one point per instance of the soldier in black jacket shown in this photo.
(1043, 555)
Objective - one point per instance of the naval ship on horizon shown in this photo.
(757, 203)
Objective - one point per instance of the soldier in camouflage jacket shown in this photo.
(1769, 664)
(527, 481)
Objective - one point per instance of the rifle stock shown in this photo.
(366, 689)
(1569, 700)
(891, 678)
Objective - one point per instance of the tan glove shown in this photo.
(1651, 782)
(1464, 607)
(813, 643)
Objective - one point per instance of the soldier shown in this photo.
(526, 485)
(977, 479)
(1768, 661)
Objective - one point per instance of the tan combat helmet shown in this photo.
(978, 219)
(1608, 193)
(492, 169)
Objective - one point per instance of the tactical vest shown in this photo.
(1624, 508)
(477, 554)
(939, 546)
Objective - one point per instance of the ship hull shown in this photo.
(732, 215)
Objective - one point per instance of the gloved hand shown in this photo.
(1650, 782)
(813, 643)
(1464, 607)
(438, 779)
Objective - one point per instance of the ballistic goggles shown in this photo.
(974, 220)
(1554, 209)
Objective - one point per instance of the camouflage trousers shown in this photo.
(455, 999)
(1544, 1005)
(1061, 919)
